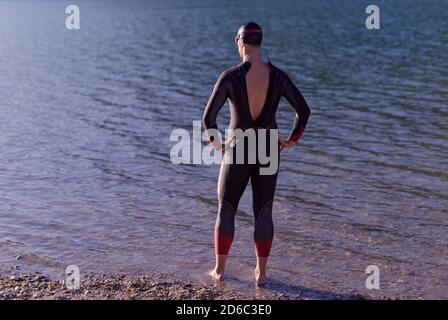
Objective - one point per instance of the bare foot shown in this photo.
(260, 278)
(216, 276)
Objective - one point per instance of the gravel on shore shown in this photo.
(112, 287)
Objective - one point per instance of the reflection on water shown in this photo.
(85, 174)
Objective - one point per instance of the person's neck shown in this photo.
(252, 58)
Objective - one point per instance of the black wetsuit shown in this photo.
(233, 177)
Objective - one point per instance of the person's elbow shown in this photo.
(207, 120)
(306, 112)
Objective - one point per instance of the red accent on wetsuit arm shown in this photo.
(296, 137)
(296, 100)
(214, 104)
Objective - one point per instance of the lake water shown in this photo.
(86, 117)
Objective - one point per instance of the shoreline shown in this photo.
(151, 286)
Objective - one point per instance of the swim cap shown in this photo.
(250, 33)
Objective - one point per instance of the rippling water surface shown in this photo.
(86, 116)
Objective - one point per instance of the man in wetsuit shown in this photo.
(254, 89)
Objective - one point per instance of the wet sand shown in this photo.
(151, 286)
(112, 287)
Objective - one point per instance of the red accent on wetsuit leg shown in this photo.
(222, 243)
(263, 247)
(297, 136)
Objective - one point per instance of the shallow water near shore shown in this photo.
(86, 118)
